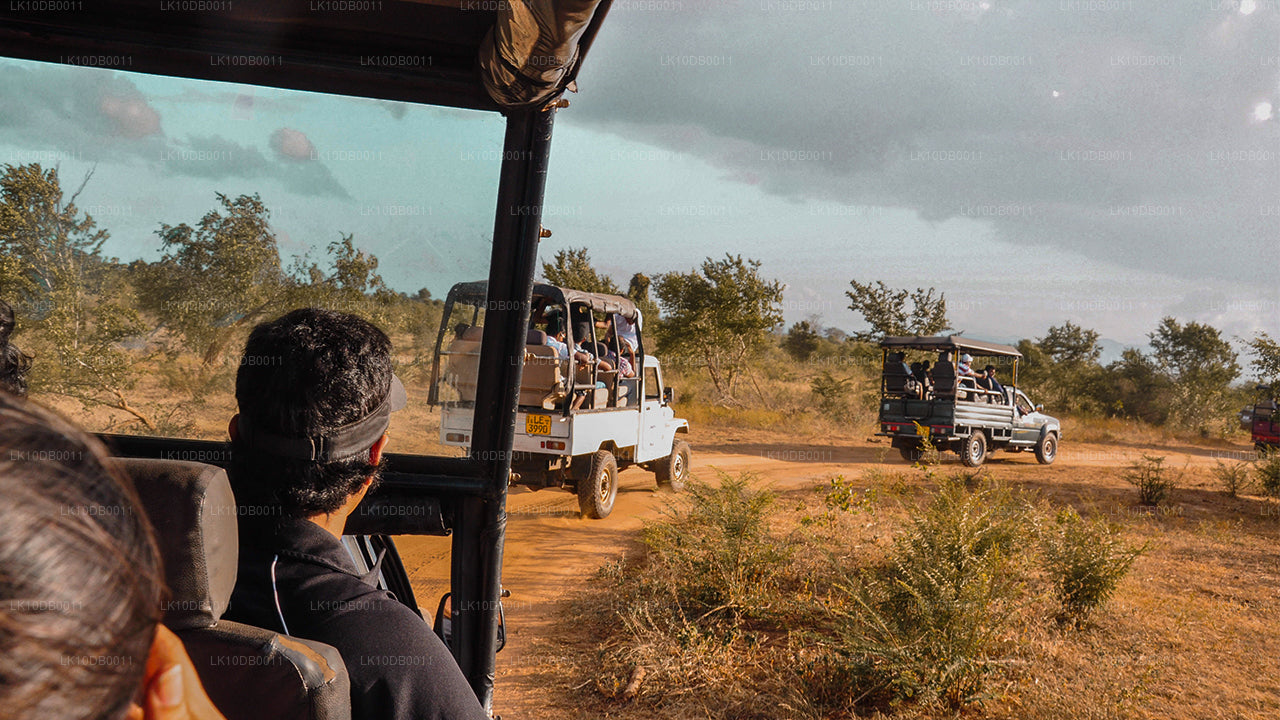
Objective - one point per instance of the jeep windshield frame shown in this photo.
(328, 52)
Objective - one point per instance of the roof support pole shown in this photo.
(480, 522)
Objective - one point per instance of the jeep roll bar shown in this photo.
(481, 58)
(476, 294)
(954, 344)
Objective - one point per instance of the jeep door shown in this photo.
(1026, 421)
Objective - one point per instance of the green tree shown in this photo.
(718, 316)
(1266, 358)
(1071, 344)
(218, 277)
(885, 310)
(1200, 365)
(1137, 388)
(1062, 368)
(572, 268)
(53, 270)
(801, 341)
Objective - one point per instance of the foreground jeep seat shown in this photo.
(249, 673)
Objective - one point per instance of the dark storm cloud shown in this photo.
(1119, 129)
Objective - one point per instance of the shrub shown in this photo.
(1268, 469)
(1232, 478)
(923, 626)
(716, 547)
(1086, 560)
(832, 395)
(1153, 480)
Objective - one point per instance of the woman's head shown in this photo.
(80, 577)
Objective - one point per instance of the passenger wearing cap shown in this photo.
(316, 391)
(963, 368)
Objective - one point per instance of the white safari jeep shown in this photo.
(580, 420)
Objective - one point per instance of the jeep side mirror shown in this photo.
(668, 395)
(1040, 407)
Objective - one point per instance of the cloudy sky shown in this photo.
(1101, 161)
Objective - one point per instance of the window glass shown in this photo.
(205, 208)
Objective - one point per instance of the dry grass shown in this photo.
(1189, 633)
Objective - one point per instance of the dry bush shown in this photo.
(1153, 480)
(1086, 561)
(924, 626)
(1233, 478)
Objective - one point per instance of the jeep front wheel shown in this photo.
(1047, 448)
(599, 488)
(974, 449)
(673, 469)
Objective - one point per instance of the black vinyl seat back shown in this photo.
(895, 375)
(248, 672)
(944, 376)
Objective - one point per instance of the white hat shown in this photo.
(967, 358)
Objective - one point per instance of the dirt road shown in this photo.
(551, 551)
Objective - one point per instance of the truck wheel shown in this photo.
(673, 469)
(1047, 448)
(974, 449)
(598, 490)
(911, 453)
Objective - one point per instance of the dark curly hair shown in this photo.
(81, 583)
(302, 375)
(14, 364)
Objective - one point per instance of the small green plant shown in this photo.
(1233, 478)
(1086, 561)
(1153, 480)
(1268, 469)
(924, 626)
(717, 548)
(832, 395)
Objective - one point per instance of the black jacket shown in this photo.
(399, 669)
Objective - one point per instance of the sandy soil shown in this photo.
(551, 551)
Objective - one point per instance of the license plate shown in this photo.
(537, 424)
(922, 431)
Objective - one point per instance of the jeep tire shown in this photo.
(973, 450)
(598, 489)
(1047, 448)
(673, 469)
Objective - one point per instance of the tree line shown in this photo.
(88, 316)
(91, 320)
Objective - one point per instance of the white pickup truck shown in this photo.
(579, 423)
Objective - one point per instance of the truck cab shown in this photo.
(928, 391)
(1264, 425)
(590, 405)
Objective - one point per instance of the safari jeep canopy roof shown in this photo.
(939, 343)
(476, 293)
(479, 54)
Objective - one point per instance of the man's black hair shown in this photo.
(304, 375)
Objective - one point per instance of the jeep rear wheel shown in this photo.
(974, 449)
(910, 453)
(1047, 448)
(599, 489)
(673, 469)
